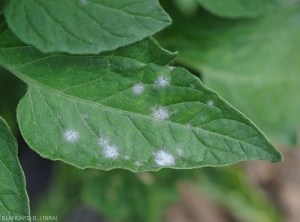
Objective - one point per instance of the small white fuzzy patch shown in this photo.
(71, 136)
(85, 116)
(126, 158)
(188, 125)
(109, 151)
(170, 68)
(138, 89)
(192, 86)
(180, 152)
(83, 2)
(162, 158)
(210, 103)
(163, 81)
(137, 163)
(160, 113)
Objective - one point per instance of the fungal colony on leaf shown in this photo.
(109, 151)
(162, 158)
(163, 81)
(210, 103)
(71, 136)
(160, 113)
(138, 89)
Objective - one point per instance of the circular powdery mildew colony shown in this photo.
(162, 158)
(210, 103)
(138, 89)
(160, 113)
(163, 81)
(71, 136)
(109, 151)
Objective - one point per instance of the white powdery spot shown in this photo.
(180, 152)
(170, 68)
(192, 86)
(162, 158)
(138, 89)
(83, 2)
(163, 81)
(210, 103)
(85, 116)
(188, 125)
(137, 163)
(160, 113)
(109, 151)
(71, 136)
(126, 158)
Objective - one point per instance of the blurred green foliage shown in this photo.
(124, 196)
(11, 91)
(252, 63)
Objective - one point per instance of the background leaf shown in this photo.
(13, 197)
(11, 91)
(187, 7)
(243, 8)
(251, 63)
(84, 26)
(2, 5)
(63, 194)
(230, 187)
(127, 197)
(127, 109)
(123, 196)
(116, 194)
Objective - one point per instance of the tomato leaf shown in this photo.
(14, 202)
(127, 109)
(84, 26)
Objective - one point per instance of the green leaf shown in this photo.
(252, 63)
(8, 100)
(230, 187)
(127, 197)
(2, 2)
(14, 203)
(84, 26)
(243, 8)
(187, 7)
(63, 194)
(126, 109)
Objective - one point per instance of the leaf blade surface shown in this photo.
(84, 26)
(127, 109)
(14, 203)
